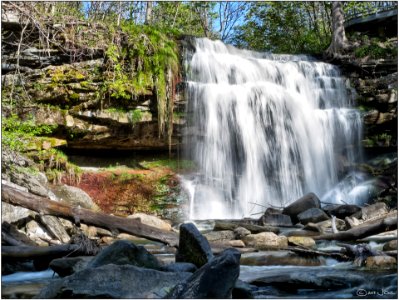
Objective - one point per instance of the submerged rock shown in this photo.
(114, 281)
(125, 253)
(313, 215)
(306, 202)
(214, 280)
(193, 246)
(265, 241)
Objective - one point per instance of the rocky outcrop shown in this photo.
(306, 202)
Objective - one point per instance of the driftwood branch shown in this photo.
(48, 207)
(388, 222)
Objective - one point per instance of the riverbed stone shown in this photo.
(303, 241)
(275, 219)
(279, 258)
(37, 233)
(215, 280)
(373, 211)
(265, 241)
(302, 204)
(222, 235)
(313, 215)
(114, 281)
(381, 262)
(391, 245)
(68, 265)
(241, 232)
(342, 211)
(125, 252)
(180, 267)
(152, 221)
(193, 246)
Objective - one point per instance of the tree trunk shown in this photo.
(388, 222)
(338, 41)
(80, 215)
(148, 13)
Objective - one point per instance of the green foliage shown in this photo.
(375, 48)
(173, 164)
(18, 133)
(136, 115)
(285, 27)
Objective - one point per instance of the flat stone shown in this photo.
(278, 258)
(265, 241)
(55, 228)
(219, 235)
(12, 213)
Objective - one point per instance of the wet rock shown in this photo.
(278, 258)
(113, 281)
(306, 202)
(301, 241)
(180, 267)
(214, 280)
(55, 228)
(68, 265)
(125, 253)
(391, 245)
(193, 246)
(219, 235)
(241, 232)
(342, 211)
(275, 219)
(152, 221)
(381, 262)
(313, 215)
(243, 290)
(265, 241)
(74, 196)
(236, 243)
(12, 214)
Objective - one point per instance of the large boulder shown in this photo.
(215, 280)
(308, 201)
(114, 281)
(74, 196)
(125, 253)
(265, 241)
(152, 221)
(313, 215)
(193, 246)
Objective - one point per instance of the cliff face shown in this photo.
(82, 81)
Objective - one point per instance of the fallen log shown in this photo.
(35, 252)
(310, 252)
(388, 222)
(78, 215)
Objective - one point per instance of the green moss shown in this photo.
(173, 164)
(136, 116)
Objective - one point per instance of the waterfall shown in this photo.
(263, 129)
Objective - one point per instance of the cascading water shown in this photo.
(263, 129)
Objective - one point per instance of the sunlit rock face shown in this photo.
(264, 129)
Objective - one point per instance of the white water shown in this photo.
(263, 129)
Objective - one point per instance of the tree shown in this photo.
(148, 13)
(339, 41)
